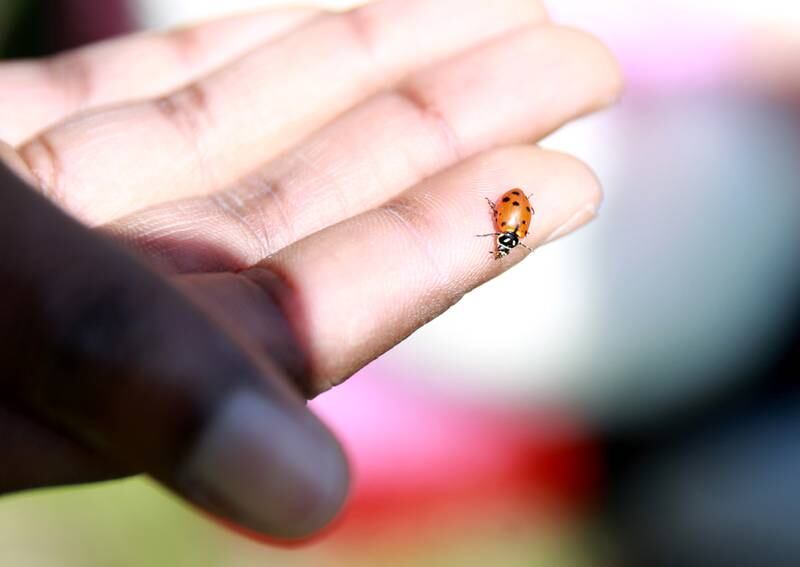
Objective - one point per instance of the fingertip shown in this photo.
(610, 79)
(565, 194)
(537, 169)
(599, 65)
(570, 190)
(269, 467)
(578, 176)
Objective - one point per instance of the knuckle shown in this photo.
(184, 43)
(187, 109)
(257, 209)
(360, 29)
(43, 162)
(432, 117)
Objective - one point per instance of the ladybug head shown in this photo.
(505, 242)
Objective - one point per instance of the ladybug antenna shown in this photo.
(490, 234)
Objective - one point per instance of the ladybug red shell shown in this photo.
(513, 215)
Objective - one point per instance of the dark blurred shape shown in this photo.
(43, 27)
(716, 480)
(726, 496)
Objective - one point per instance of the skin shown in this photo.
(246, 216)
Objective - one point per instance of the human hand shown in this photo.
(312, 184)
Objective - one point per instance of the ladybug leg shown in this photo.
(492, 252)
(492, 205)
(526, 247)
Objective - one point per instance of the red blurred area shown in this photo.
(420, 460)
(423, 464)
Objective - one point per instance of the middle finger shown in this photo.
(200, 138)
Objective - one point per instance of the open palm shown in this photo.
(311, 183)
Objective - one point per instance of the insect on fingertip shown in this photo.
(513, 213)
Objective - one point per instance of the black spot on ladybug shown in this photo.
(506, 199)
(524, 222)
(515, 192)
(503, 223)
(516, 203)
(529, 209)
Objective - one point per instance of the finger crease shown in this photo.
(431, 115)
(44, 164)
(233, 207)
(277, 191)
(184, 43)
(189, 112)
(332, 182)
(361, 32)
(402, 214)
(247, 206)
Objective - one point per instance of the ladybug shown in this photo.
(512, 220)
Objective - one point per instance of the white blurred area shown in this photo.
(622, 13)
(161, 14)
(634, 14)
(682, 276)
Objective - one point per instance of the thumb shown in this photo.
(107, 352)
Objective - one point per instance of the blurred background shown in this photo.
(649, 412)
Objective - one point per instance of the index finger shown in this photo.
(357, 288)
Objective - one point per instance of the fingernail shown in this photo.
(270, 467)
(581, 217)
